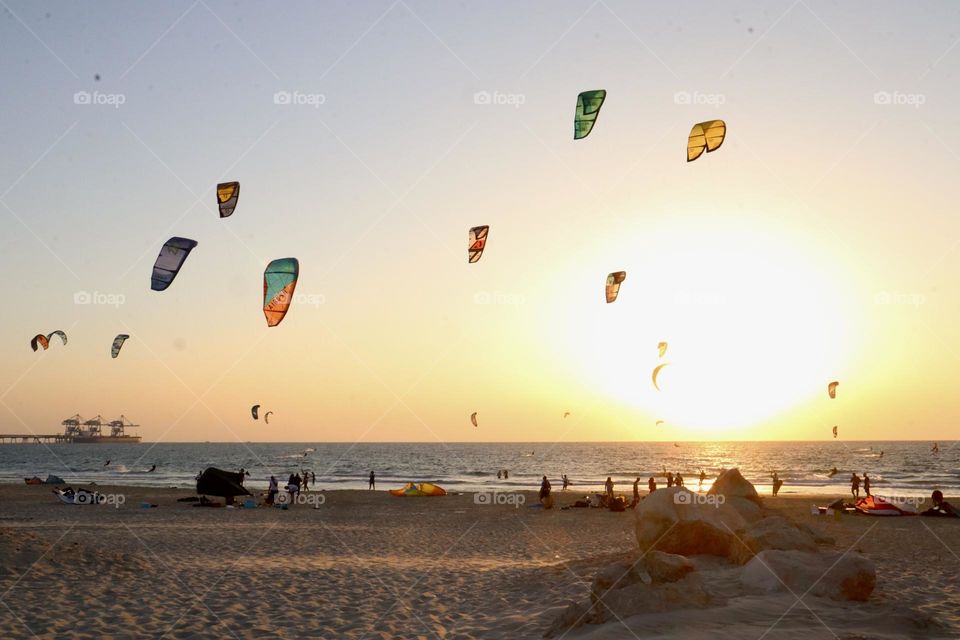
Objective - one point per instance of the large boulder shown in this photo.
(771, 533)
(640, 598)
(834, 575)
(731, 483)
(677, 521)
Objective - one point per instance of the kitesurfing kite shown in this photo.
(38, 341)
(62, 335)
(588, 108)
(172, 256)
(254, 411)
(566, 413)
(266, 416)
(227, 195)
(117, 343)
(656, 372)
(613, 284)
(476, 242)
(662, 348)
(659, 422)
(705, 136)
(279, 282)
(832, 389)
(473, 418)
(834, 431)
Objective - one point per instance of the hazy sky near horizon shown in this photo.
(820, 242)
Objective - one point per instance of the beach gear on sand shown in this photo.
(418, 490)
(33, 480)
(878, 506)
(224, 484)
(52, 479)
(80, 497)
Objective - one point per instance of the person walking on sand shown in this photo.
(777, 483)
(608, 485)
(866, 484)
(855, 486)
(636, 493)
(566, 482)
(544, 489)
(652, 484)
(372, 486)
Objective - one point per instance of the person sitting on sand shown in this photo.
(608, 486)
(544, 488)
(669, 480)
(652, 484)
(866, 484)
(566, 482)
(636, 493)
(940, 507)
(372, 485)
(855, 486)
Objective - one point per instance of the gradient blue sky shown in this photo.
(762, 264)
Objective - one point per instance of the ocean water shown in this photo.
(905, 468)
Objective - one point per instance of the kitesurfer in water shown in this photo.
(833, 472)
(107, 463)
(152, 469)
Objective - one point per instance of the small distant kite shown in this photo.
(227, 195)
(659, 422)
(588, 108)
(62, 335)
(656, 372)
(476, 242)
(473, 418)
(117, 343)
(566, 413)
(38, 341)
(834, 431)
(613, 284)
(172, 256)
(266, 416)
(705, 136)
(279, 282)
(662, 348)
(255, 411)
(832, 389)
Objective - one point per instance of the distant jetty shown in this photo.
(76, 430)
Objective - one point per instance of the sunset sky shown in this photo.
(821, 242)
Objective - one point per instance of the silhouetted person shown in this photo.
(544, 488)
(608, 485)
(669, 480)
(866, 484)
(855, 485)
(566, 482)
(373, 482)
(652, 484)
(678, 480)
(636, 493)
(703, 476)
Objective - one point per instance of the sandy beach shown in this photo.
(369, 565)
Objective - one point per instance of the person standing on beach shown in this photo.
(566, 482)
(499, 474)
(866, 484)
(678, 479)
(608, 485)
(544, 489)
(306, 480)
(703, 476)
(855, 486)
(242, 474)
(373, 481)
(652, 484)
(669, 480)
(272, 490)
(636, 493)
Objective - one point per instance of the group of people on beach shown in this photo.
(295, 483)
